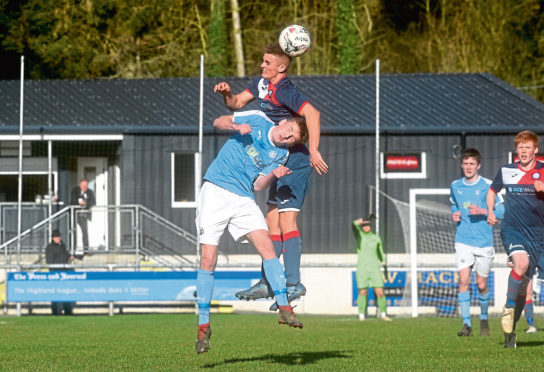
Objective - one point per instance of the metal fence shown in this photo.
(103, 230)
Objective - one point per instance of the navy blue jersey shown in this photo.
(278, 101)
(524, 207)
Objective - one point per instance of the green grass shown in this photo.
(243, 342)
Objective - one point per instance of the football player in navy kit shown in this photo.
(522, 230)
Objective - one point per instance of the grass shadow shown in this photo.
(529, 343)
(290, 359)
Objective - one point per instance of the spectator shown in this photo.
(56, 253)
(84, 197)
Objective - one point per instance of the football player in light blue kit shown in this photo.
(474, 237)
(250, 160)
(279, 99)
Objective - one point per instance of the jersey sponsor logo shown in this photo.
(520, 189)
(466, 204)
(255, 156)
(512, 246)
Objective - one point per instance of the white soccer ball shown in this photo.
(294, 40)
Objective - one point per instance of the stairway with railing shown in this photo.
(123, 230)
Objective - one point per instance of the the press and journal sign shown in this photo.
(121, 285)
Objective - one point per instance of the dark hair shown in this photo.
(303, 128)
(471, 153)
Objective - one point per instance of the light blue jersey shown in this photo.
(243, 157)
(473, 230)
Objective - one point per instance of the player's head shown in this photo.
(275, 62)
(470, 163)
(290, 132)
(526, 143)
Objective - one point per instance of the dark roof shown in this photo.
(410, 103)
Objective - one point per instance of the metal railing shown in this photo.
(125, 229)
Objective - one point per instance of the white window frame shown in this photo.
(180, 204)
(404, 175)
(37, 173)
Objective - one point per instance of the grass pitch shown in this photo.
(243, 342)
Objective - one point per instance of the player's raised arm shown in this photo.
(313, 121)
(226, 122)
(233, 101)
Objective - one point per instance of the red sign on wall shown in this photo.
(398, 162)
(402, 163)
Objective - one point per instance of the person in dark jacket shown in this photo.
(56, 253)
(84, 197)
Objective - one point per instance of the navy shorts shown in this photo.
(514, 241)
(288, 192)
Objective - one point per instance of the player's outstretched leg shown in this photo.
(293, 292)
(203, 338)
(262, 289)
(287, 316)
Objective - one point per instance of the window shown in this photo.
(403, 165)
(185, 177)
(34, 187)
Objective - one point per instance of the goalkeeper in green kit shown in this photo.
(370, 259)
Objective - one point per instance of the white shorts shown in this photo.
(218, 209)
(480, 258)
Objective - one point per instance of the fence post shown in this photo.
(110, 268)
(137, 237)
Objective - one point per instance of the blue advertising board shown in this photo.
(121, 285)
(435, 288)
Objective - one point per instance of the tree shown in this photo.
(217, 40)
(349, 55)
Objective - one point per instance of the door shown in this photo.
(95, 171)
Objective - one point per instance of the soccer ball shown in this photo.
(294, 40)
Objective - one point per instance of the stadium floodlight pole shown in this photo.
(377, 155)
(20, 179)
(198, 159)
